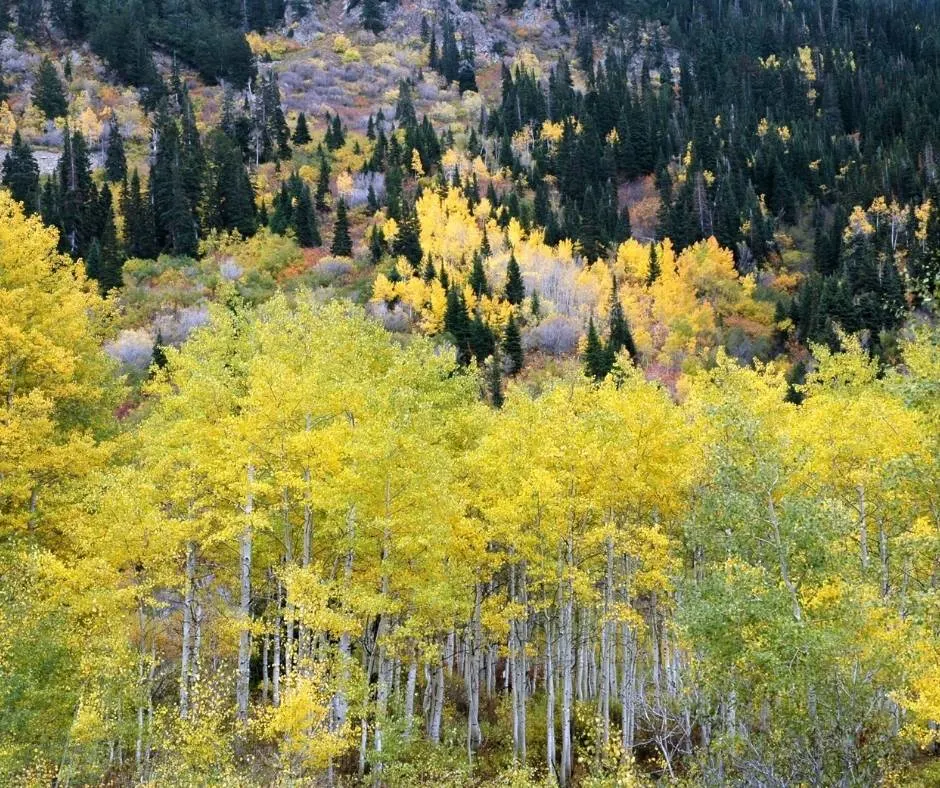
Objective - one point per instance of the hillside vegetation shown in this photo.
(477, 393)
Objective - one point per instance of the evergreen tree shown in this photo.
(323, 185)
(21, 174)
(158, 355)
(654, 271)
(49, 92)
(139, 240)
(620, 336)
(301, 132)
(457, 324)
(494, 381)
(515, 287)
(482, 341)
(110, 260)
(115, 162)
(595, 356)
(229, 202)
(512, 346)
(372, 16)
(342, 243)
(477, 279)
(305, 218)
(535, 306)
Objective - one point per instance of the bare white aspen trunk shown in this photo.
(607, 651)
(410, 697)
(450, 651)
(244, 608)
(340, 701)
(628, 686)
(517, 642)
(549, 697)
(188, 611)
(437, 705)
(566, 656)
(276, 666)
(474, 652)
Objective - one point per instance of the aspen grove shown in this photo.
(313, 555)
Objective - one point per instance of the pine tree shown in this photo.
(494, 380)
(115, 161)
(342, 243)
(229, 197)
(477, 279)
(482, 341)
(111, 261)
(429, 273)
(512, 346)
(620, 336)
(515, 287)
(305, 218)
(301, 132)
(457, 324)
(535, 306)
(49, 92)
(372, 16)
(21, 174)
(595, 356)
(654, 271)
(158, 356)
(139, 238)
(323, 186)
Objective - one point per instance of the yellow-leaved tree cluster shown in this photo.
(312, 555)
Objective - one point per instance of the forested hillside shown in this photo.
(469, 393)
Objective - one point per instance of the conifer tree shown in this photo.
(515, 287)
(372, 17)
(477, 279)
(653, 274)
(21, 174)
(457, 324)
(512, 346)
(229, 202)
(342, 243)
(494, 380)
(595, 356)
(139, 240)
(620, 336)
(305, 219)
(115, 162)
(323, 185)
(158, 355)
(535, 306)
(49, 92)
(301, 132)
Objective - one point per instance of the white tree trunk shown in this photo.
(244, 607)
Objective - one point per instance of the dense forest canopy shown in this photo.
(516, 394)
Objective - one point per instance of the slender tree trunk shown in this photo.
(188, 610)
(410, 697)
(437, 702)
(550, 754)
(474, 734)
(244, 607)
(340, 702)
(276, 666)
(863, 527)
(567, 678)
